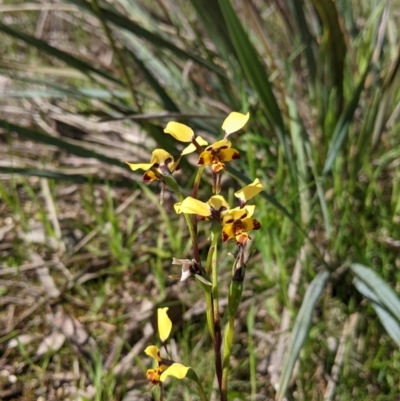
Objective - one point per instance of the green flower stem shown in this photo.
(197, 180)
(212, 260)
(235, 295)
(195, 191)
(210, 315)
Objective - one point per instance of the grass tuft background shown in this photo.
(86, 249)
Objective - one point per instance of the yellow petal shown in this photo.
(201, 141)
(153, 351)
(194, 206)
(222, 144)
(234, 122)
(205, 158)
(153, 376)
(249, 191)
(250, 224)
(164, 324)
(174, 165)
(226, 155)
(218, 203)
(228, 232)
(177, 207)
(238, 214)
(216, 168)
(177, 370)
(191, 148)
(161, 156)
(139, 166)
(179, 131)
(150, 176)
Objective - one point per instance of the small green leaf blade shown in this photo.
(343, 124)
(300, 330)
(390, 324)
(56, 53)
(383, 292)
(36, 136)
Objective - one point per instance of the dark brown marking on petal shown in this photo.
(168, 160)
(256, 224)
(225, 236)
(236, 156)
(201, 160)
(147, 178)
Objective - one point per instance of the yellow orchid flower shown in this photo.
(216, 154)
(219, 152)
(249, 191)
(215, 207)
(237, 222)
(161, 164)
(165, 367)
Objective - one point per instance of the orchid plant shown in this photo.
(229, 224)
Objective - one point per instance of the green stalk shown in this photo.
(212, 260)
(235, 295)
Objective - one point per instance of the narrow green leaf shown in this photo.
(389, 93)
(167, 101)
(156, 40)
(300, 330)
(76, 178)
(391, 325)
(342, 126)
(60, 143)
(335, 44)
(382, 291)
(296, 7)
(257, 75)
(298, 141)
(59, 54)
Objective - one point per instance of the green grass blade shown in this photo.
(212, 19)
(335, 45)
(391, 325)
(256, 73)
(342, 126)
(58, 176)
(166, 100)
(383, 292)
(155, 40)
(300, 330)
(389, 93)
(305, 35)
(58, 54)
(61, 144)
